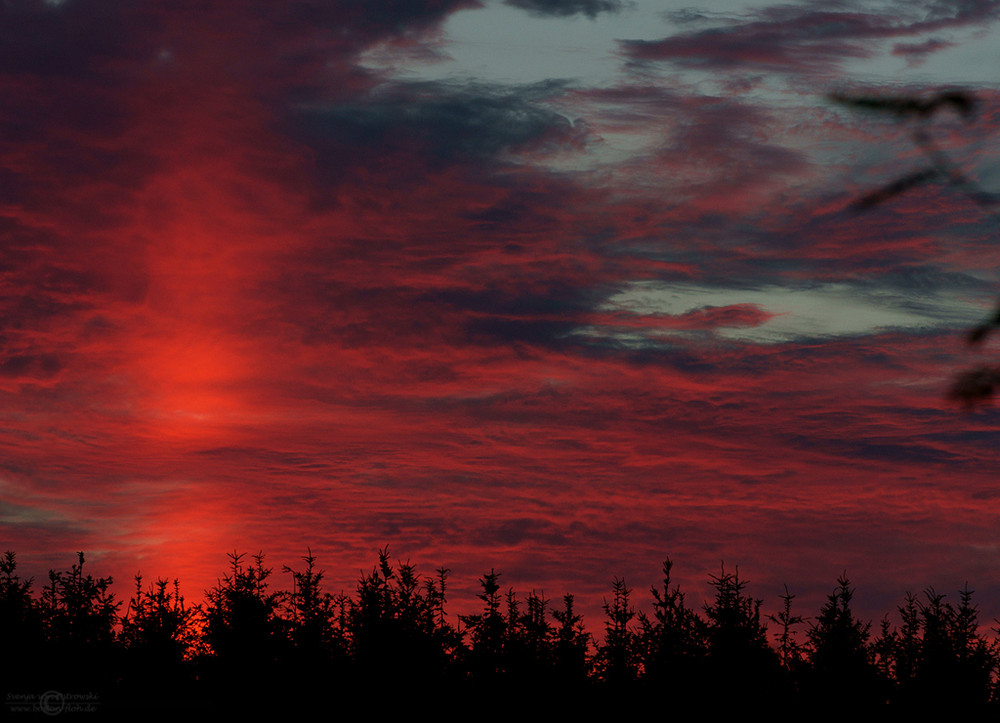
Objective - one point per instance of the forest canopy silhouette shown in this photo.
(302, 647)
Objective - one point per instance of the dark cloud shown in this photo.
(692, 16)
(520, 530)
(885, 451)
(72, 38)
(803, 38)
(441, 122)
(295, 44)
(509, 315)
(917, 52)
(564, 8)
(41, 366)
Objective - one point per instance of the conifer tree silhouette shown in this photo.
(244, 633)
(977, 660)
(79, 614)
(252, 649)
(938, 656)
(572, 663)
(487, 632)
(312, 615)
(398, 631)
(528, 651)
(790, 650)
(842, 665)
(537, 637)
(157, 634)
(446, 640)
(898, 650)
(739, 656)
(21, 631)
(617, 662)
(672, 643)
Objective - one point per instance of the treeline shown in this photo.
(252, 646)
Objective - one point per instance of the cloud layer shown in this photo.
(257, 295)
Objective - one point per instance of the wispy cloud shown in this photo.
(802, 38)
(590, 8)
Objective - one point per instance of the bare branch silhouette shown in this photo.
(980, 384)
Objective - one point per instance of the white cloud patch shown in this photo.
(814, 311)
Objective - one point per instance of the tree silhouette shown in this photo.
(157, 634)
(314, 621)
(740, 660)
(790, 650)
(487, 631)
(572, 642)
(939, 657)
(398, 631)
(898, 650)
(842, 665)
(251, 649)
(672, 643)
(617, 662)
(79, 613)
(529, 650)
(21, 632)
(244, 632)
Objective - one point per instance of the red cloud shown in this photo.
(250, 304)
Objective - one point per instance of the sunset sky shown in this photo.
(557, 287)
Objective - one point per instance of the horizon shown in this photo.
(462, 595)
